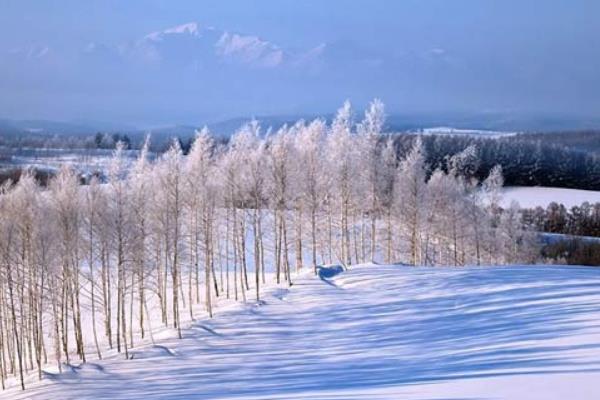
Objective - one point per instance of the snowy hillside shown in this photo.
(374, 332)
(531, 197)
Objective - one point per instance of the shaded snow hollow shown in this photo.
(375, 332)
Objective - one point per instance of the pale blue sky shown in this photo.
(432, 56)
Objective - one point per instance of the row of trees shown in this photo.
(573, 250)
(580, 224)
(526, 159)
(581, 220)
(107, 141)
(160, 237)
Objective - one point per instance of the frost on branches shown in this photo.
(160, 238)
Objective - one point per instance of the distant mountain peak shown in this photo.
(190, 28)
(31, 52)
(234, 47)
(250, 49)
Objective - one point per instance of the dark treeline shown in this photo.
(134, 140)
(587, 141)
(561, 159)
(580, 224)
(526, 160)
(582, 220)
(99, 140)
(573, 251)
(42, 177)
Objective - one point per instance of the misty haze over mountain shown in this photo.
(462, 63)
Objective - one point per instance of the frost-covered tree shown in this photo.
(492, 186)
(199, 201)
(409, 195)
(280, 147)
(385, 189)
(139, 185)
(342, 166)
(90, 214)
(120, 213)
(170, 207)
(67, 213)
(145, 241)
(312, 179)
(370, 130)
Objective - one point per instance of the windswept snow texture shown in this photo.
(375, 332)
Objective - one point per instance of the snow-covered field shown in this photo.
(374, 332)
(530, 197)
(444, 130)
(83, 160)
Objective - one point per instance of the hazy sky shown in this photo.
(87, 60)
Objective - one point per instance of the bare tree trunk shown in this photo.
(277, 244)
(106, 297)
(92, 284)
(355, 239)
(131, 301)
(192, 269)
(92, 281)
(227, 252)
(235, 254)
(142, 293)
(256, 252)
(373, 236)
(55, 312)
(175, 273)
(261, 247)
(15, 330)
(313, 234)
(2, 346)
(298, 237)
(286, 260)
(243, 249)
(388, 258)
(346, 231)
(330, 231)
(208, 264)
(242, 257)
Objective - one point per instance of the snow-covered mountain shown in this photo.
(193, 44)
(169, 74)
(191, 28)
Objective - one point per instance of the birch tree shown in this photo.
(409, 195)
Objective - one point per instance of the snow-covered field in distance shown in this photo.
(444, 130)
(374, 332)
(83, 160)
(531, 197)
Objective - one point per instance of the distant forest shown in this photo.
(558, 159)
(564, 159)
(578, 242)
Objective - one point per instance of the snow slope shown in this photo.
(531, 197)
(374, 332)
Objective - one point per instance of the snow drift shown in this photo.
(375, 332)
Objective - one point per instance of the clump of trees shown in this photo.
(109, 141)
(12, 175)
(526, 159)
(163, 237)
(573, 251)
(581, 220)
(578, 229)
